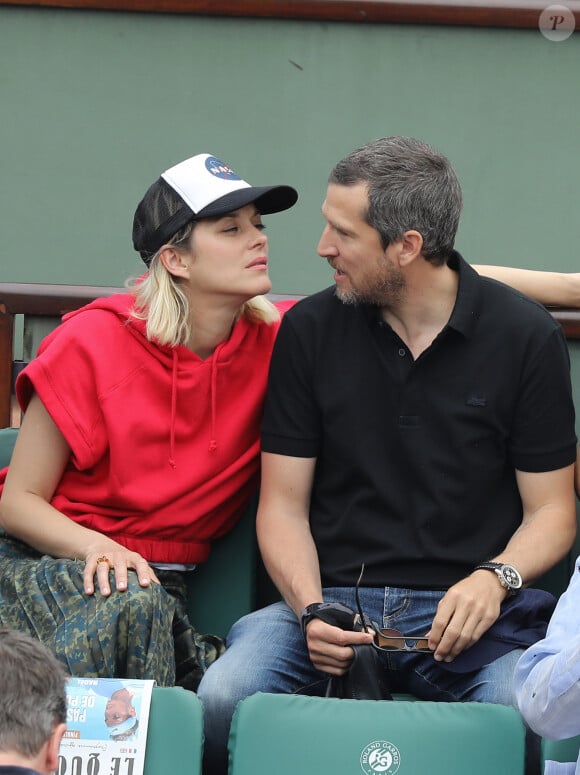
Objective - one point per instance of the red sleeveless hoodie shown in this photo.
(165, 445)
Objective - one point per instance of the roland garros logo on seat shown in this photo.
(380, 758)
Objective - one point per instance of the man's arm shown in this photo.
(546, 533)
(554, 289)
(290, 555)
(283, 528)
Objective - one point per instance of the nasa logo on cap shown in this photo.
(219, 169)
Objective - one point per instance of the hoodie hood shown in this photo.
(122, 306)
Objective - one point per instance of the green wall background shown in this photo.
(94, 105)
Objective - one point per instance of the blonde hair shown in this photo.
(162, 304)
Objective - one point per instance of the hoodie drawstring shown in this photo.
(213, 404)
(213, 399)
(173, 409)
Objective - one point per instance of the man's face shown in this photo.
(117, 711)
(364, 270)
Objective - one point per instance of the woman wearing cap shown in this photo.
(140, 441)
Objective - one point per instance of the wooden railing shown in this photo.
(42, 300)
(482, 13)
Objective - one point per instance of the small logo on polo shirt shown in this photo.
(476, 400)
(220, 170)
(380, 758)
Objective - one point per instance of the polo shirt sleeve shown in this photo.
(291, 423)
(543, 437)
(63, 376)
(547, 676)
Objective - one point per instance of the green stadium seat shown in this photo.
(290, 734)
(560, 750)
(224, 588)
(7, 441)
(175, 733)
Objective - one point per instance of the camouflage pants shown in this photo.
(142, 632)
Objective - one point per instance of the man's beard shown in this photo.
(379, 291)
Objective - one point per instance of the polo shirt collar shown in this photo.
(468, 302)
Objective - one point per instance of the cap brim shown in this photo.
(268, 199)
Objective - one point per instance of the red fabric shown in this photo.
(164, 445)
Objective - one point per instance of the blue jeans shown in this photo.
(267, 653)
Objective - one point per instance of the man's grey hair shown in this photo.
(410, 186)
(32, 693)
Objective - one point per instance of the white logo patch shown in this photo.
(380, 758)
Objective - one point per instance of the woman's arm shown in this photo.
(40, 457)
(554, 289)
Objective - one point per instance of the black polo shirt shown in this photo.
(416, 459)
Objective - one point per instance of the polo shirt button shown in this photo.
(402, 352)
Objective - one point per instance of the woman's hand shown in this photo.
(40, 457)
(100, 561)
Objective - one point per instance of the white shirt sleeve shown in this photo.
(547, 676)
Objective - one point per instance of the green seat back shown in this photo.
(223, 589)
(175, 733)
(291, 734)
(560, 750)
(7, 441)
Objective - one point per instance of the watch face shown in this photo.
(512, 578)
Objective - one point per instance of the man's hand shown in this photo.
(329, 647)
(468, 609)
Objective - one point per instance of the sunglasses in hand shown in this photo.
(388, 639)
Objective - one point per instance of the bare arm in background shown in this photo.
(553, 289)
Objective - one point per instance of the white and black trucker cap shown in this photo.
(207, 188)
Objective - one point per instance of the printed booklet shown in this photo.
(107, 721)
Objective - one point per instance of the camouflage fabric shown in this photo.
(194, 652)
(126, 635)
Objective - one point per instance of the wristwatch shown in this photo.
(337, 614)
(508, 576)
(308, 614)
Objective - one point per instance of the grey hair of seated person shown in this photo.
(32, 693)
(411, 186)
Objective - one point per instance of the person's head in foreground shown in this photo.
(199, 230)
(32, 703)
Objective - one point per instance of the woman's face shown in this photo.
(229, 256)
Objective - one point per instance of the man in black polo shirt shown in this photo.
(419, 421)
